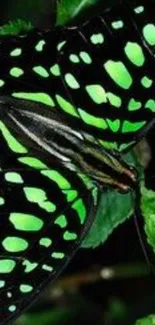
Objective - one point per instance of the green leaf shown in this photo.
(114, 208)
(68, 9)
(15, 27)
(148, 212)
(56, 317)
(150, 320)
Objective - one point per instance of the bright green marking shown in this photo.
(48, 268)
(97, 93)
(57, 178)
(114, 100)
(2, 283)
(12, 308)
(132, 126)
(2, 201)
(55, 70)
(40, 45)
(60, 45)
(146, 82)
(38, 196)
(135, 54)
(79, 207)
(97, 39)
(108, 144)
(74, 58)
(118, 72)
(32, 162)
(71, 195)
(13, 177)
(29, 266)
(25, 288)
(150, 104)
(2, 82)
(7, 265)
(69, 236)
(37, 97)
(66, 106)
(61, 221)
(16, 72)
(58, 255)
(71, 81)
(85, 57)
(16, 52)
(46, 242)
(12, 143)
(15, 244)
(93, 120)
(114, 125)
(41, 71)
(117, 24)
(149, 34)
(134, 105)
(139, 10)
(25, 222)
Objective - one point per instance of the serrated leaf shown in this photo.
(114, 208)
(15, 27)
(150, 320)
(68, 9)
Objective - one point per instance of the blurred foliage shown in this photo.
(147, 321)
(16, 27)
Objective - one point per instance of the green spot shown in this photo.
(74, 58)
(97, 93)
(135, 54)
(38, 196)
(46, 242)
(117, 24)
(12, 308)
(114, 100)
(92, 120)
(146, 82)
(40, 45)
(48, 268)
(16, 72)
(13, 177)
(66, 106)
(2, 83)
(150, 104)
(149, 34)
(25, 222)
(97, 39)
(79, 207)
(132, 126)
(58, 255)
(41, 71)
(55, 70)
(139, 9)
(134, 105)
(16, 52)
(85, 57)
(61, 221)
(114, 125)
(2, 283)
(61, 45)
(2, 201)
(32, 162)
(12, 143)
(37, 97)
(71, 81)
(69, 236)
(29, 266)
(57, 178)
(118, 73)
(71, 195)
(15, 244)
(7, 265)
(25, 288)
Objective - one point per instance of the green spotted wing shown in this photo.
(46, 210)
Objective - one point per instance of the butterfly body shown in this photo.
(71, 101)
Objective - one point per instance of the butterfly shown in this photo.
(73, 100)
